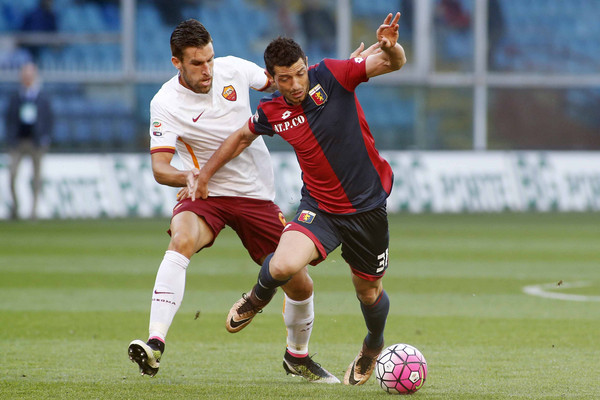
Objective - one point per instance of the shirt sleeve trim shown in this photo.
(162, 149)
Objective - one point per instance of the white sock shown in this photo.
(167, 293)
(298, 317)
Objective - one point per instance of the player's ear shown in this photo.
(176, 62)
(269, 77)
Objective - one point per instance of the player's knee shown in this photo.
(300, 287)
(367, 291)
(183, 243)
(368, 295)
(282, 268)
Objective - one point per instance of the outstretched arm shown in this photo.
(362, 53)
(229, 149)
(392, 56)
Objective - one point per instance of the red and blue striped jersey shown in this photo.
(342, 170)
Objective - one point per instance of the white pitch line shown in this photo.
(543, 291)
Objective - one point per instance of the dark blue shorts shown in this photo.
(364, 237)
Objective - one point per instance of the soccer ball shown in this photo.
(401, 369)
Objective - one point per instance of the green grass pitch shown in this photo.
(74, 293)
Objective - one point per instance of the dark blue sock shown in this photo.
(266, 285)
(375, 316)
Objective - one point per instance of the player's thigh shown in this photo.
(365, 241)
(319, 227)
(189, 233)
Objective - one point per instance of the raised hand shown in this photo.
(387, 33)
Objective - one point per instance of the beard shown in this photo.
(196, 87)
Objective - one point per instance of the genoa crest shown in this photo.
(318, 95)
(306, 216)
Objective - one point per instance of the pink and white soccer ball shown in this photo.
(401, 369)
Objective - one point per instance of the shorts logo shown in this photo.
(318, 95)
(229, 93)
(307, 217)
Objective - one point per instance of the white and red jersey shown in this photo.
(195, 125)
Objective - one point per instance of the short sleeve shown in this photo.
(349, 73)
(163, 136)
(259, 123)
(256, 75)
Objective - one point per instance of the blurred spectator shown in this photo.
(171, 12)
(10, 17)
(29, 122)
(495, 30)
(407, 20)
(452, 14)
(40, 19)
(319, 27)
(454, 36)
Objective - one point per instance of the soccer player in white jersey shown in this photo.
(192, 114)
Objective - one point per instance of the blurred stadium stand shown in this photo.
(551, 36)
(539, 36)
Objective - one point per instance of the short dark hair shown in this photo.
(189, 33)
(282, 52)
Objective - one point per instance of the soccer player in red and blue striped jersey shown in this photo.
(346, 181)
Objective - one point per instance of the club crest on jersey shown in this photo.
(318, 95)
(229, 93)
(306, 216)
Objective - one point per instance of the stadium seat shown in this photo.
(62, 132)
(112, 17)
(552, 36)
